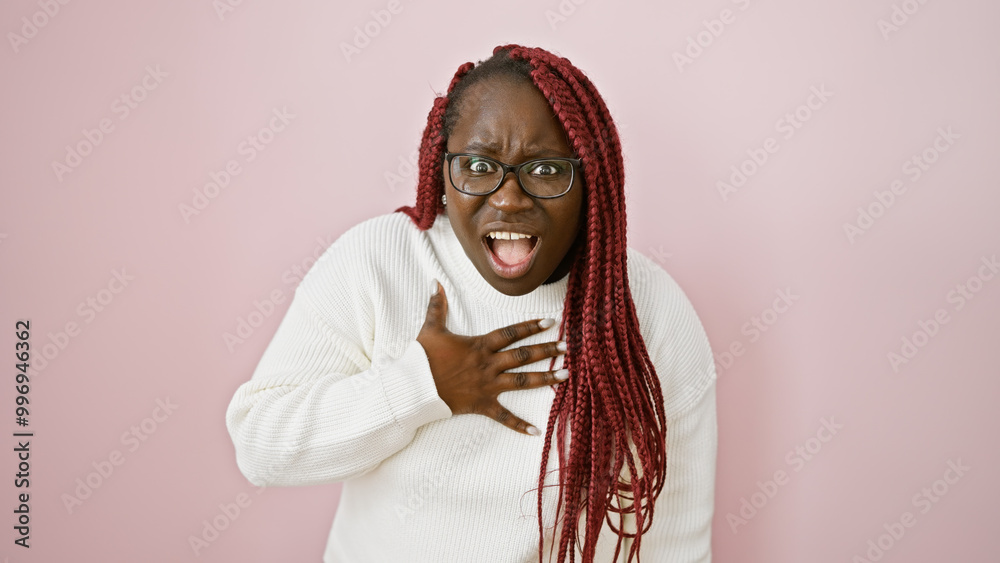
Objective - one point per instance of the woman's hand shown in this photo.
(470, 372)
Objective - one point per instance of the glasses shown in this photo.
(543, 178)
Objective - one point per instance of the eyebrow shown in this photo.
(489, 148)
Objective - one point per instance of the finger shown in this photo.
(524, 355)
(512, 381)
(507, 418)
(505, 336)
(437, 308)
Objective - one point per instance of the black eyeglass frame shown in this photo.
(516, 169)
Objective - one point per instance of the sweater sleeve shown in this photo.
(317, 409)
(681, 530)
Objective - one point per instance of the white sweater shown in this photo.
(344, 392)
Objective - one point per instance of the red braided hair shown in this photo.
(608, 417)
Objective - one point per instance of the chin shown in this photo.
(511, 287)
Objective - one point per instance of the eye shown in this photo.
(549, 168)
(479, 166)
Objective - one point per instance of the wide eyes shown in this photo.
(481, 175)
(480, 166)
(548, 168)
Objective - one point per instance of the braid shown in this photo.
(430, 185)
(608, 418)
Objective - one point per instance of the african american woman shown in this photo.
(418, 361)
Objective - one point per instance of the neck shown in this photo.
(567, 263)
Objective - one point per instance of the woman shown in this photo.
(520, 223)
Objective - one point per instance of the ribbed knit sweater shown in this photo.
(344, 392)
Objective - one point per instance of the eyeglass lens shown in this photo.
(543, 177)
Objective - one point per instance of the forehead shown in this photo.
(505, 114)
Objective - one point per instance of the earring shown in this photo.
(444, 199)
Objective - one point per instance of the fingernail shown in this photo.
(437, 288)
(546, 323)
(533, 431)
(562, 374)
(561, 346)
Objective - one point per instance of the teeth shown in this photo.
(506, 235)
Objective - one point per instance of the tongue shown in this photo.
(512, 252)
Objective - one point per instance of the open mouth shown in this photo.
(511, 254)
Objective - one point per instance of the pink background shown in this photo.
(683, 128)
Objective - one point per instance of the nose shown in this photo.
(509, 197)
